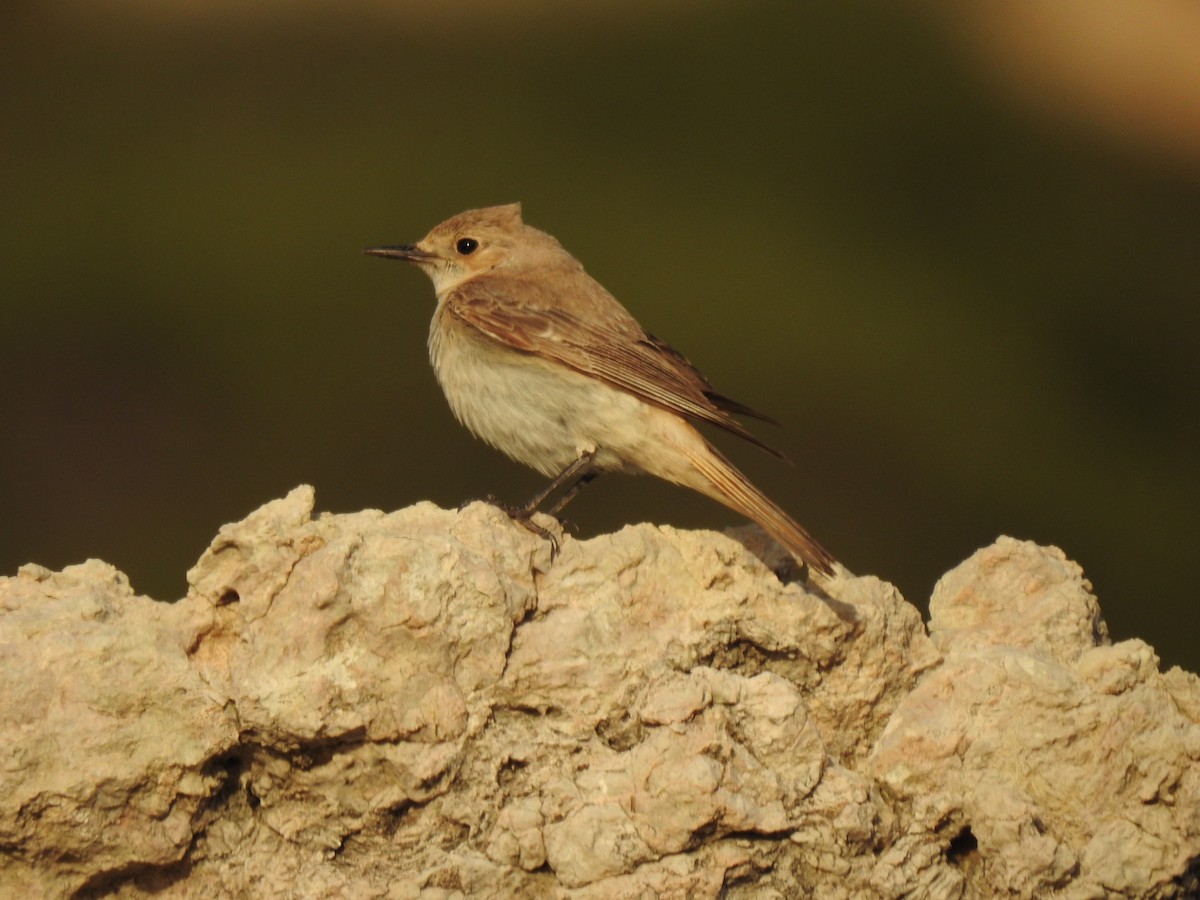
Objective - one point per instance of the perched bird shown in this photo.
(537, 359)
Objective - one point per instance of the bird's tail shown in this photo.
(731, 487)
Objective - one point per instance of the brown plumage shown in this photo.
(593, 334)
(539, 360)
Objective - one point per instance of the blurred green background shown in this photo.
(972, 317)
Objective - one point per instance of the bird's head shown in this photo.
(474, 243)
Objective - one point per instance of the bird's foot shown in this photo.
(523, 516)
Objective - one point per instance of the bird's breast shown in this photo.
(536, 411)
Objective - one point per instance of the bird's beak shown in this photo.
(409, 252)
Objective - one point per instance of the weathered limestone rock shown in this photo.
(423, 704)
(1055, 760)
(111, 738)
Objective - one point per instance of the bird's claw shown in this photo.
(526, 520)
(522, 515)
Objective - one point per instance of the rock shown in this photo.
(113, 741)
(424, 704)
(1048, 759)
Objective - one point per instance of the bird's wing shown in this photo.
(592, 333)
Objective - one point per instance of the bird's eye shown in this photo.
(466, 246)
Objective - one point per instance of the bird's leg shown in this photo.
(579, 485)
(524, 514)
(571, 471)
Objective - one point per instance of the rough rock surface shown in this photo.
(424, 704)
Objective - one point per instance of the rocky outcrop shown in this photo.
(424, 704)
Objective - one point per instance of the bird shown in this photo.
(539, 361)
